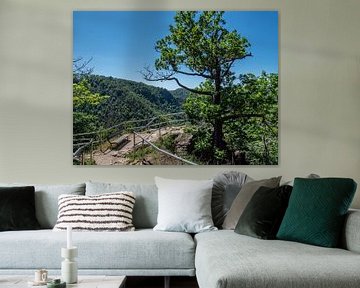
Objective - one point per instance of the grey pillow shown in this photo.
(226, 187)
(310, 176)
(243, 198)
(184, 205)
(146, 204)
(46, 200)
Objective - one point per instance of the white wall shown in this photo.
(319, 90)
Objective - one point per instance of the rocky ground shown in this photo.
(118, 156)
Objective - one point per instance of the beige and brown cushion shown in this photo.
(105, 212)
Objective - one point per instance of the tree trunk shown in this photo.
(218, 135)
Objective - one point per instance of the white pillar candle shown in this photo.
(69, 237)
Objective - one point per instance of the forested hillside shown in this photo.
(130, 100)
(180, 94)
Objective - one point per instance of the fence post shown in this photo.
(134, 138)
(91, 153)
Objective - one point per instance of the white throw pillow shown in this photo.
(105, 212)
(184, 205)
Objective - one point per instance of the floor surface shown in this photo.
(158, 282)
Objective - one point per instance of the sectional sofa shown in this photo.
(219, 259)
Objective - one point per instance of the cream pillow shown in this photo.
(184, 205)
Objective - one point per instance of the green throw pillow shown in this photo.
(316, 211)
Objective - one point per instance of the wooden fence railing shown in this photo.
(84, 143)
(164, 151)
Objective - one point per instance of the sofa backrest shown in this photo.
(146, 203)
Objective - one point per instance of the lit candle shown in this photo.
(69, 240)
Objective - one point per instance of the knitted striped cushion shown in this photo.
(105, 212)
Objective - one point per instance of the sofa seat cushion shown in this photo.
(226, 259)
(142, 249)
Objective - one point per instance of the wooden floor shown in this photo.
(158, 282)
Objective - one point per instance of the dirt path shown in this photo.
(118, 156)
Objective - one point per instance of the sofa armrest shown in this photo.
(351, 233)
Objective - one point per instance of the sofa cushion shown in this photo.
(350, 239)
(146, 205)
(105, 212)
(317, 209)
(226, 187)
(184, 205)
(17, 208)
(225, 259)
(263, 215)
(46, 200)
(142, 249)
(243, 198)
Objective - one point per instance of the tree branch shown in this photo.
(232, 62)
(239, 58)
(150, 76)
(191, 74)
(228, 69)
(235, 116)
(189, 89)
(80, 66)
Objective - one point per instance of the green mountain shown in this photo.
(180, 94)
(130, 100)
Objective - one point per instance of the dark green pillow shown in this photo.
(316, 211)
(264, 212)
(17, 208)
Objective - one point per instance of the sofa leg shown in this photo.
(167, 282)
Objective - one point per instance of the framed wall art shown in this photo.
(175, 88)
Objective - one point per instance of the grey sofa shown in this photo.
(226, 259)
(218, 259)
(143, 252)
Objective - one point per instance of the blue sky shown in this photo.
(121, 43)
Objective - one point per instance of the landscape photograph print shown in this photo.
(175, 88)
